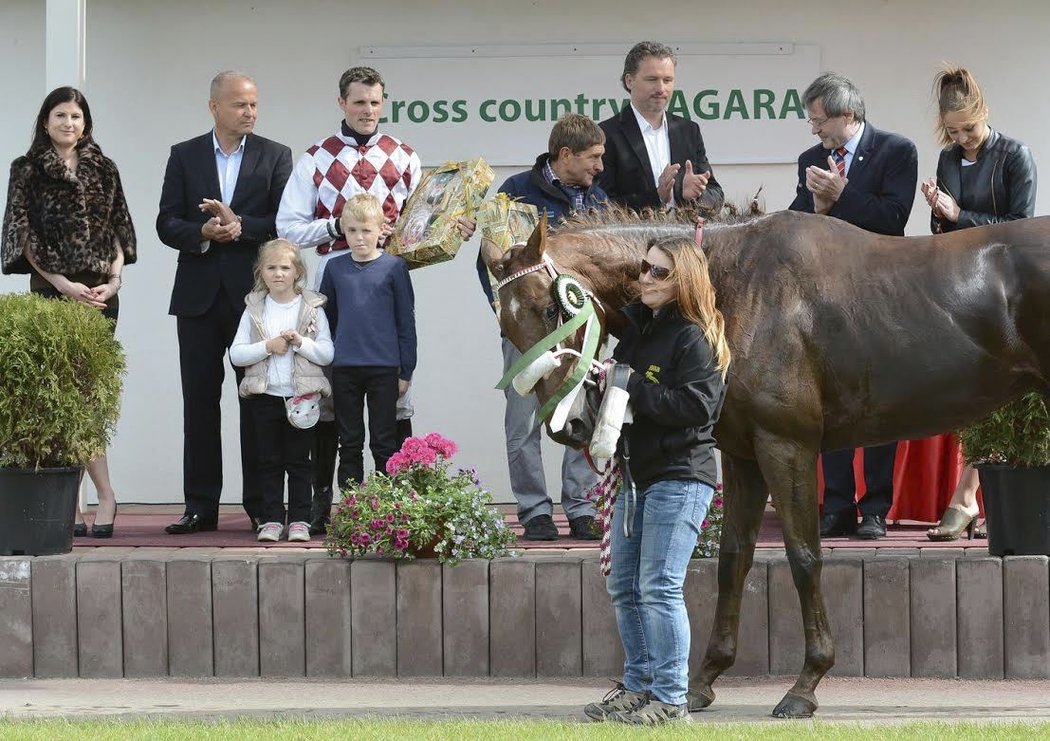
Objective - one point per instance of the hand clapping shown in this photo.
(825, 185)
(223, 226)
(694, 183)
(942, 204)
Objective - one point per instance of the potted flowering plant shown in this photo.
(1010, 448)
(419, 508)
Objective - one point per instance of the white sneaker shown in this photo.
(270, 532)
(299, 532)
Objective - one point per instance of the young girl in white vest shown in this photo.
(283, 340)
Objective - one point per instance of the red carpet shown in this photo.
(143, 527)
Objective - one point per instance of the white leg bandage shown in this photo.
(539, 368)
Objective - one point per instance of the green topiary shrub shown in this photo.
(61, 372)
(1018, 434)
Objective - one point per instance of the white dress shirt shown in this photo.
(228, 168)
(657, 144)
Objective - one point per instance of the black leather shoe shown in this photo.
(191, 524)
(584, 528)
(255, 523)
(872, 527)
(321, 510)
(80, 530)
(540, 527)
(838, 524)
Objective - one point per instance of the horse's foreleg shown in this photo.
(745, 502)
(791, 472)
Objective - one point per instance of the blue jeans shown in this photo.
(648, 573)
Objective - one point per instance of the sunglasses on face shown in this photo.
(657, 271)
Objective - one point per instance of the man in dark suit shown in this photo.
(654, 159)
(868, 178)
(218, 204)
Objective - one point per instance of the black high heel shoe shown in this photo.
(80, 530)
(104, 531)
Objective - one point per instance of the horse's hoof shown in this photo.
(700, 698)
(795, 706)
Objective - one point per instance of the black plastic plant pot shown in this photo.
(37, 510)
(1017, 506)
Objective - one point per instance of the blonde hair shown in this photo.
(696, 295)
(363, 207)
(957, 91)
(280, 245)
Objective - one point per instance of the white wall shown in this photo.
(148, 67)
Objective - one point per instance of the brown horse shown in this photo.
(840, 338)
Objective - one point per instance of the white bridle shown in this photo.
(545, 364)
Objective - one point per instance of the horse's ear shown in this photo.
(537, 241)
(492, 256)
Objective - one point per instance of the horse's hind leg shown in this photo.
(791, 472)
(745, 502)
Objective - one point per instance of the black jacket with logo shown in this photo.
(676, 391)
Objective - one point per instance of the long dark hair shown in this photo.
(696, 295)
(58, 96)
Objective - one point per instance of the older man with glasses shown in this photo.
(868, 178)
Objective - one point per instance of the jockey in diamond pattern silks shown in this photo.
(334, 170)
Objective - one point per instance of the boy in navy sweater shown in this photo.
(371, 311)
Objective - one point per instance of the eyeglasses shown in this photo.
(659, 272)
(817, 122)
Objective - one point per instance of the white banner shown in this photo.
(499, 102)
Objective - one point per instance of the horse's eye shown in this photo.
(550, 313)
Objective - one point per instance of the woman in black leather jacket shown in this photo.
(983, 177)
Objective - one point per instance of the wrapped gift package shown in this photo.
(506, 222)
(427, 232)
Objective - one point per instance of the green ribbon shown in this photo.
(588, 352)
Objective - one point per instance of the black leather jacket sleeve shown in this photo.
(1005, 185)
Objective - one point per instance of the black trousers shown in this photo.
(840, 489)
(352, 388)
(203, 344)
(283, 449)
(326, 444)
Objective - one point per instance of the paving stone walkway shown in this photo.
(739, 699)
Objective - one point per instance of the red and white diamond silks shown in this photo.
(387, 168)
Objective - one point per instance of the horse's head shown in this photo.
(529, 311)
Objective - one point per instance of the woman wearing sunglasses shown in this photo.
(676, 350)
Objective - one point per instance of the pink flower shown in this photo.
(718, 501)
(442, 445)
(375, 502)
(364, 539)
(397, 463)
(390, 517)
(703, 525)
(417, 452)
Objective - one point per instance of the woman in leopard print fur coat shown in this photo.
(67, 225)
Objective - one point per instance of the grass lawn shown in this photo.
(465, 730)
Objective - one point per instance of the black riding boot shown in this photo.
(326, 445)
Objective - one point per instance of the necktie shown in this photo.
(839, 155)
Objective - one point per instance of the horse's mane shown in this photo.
(615, 215)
